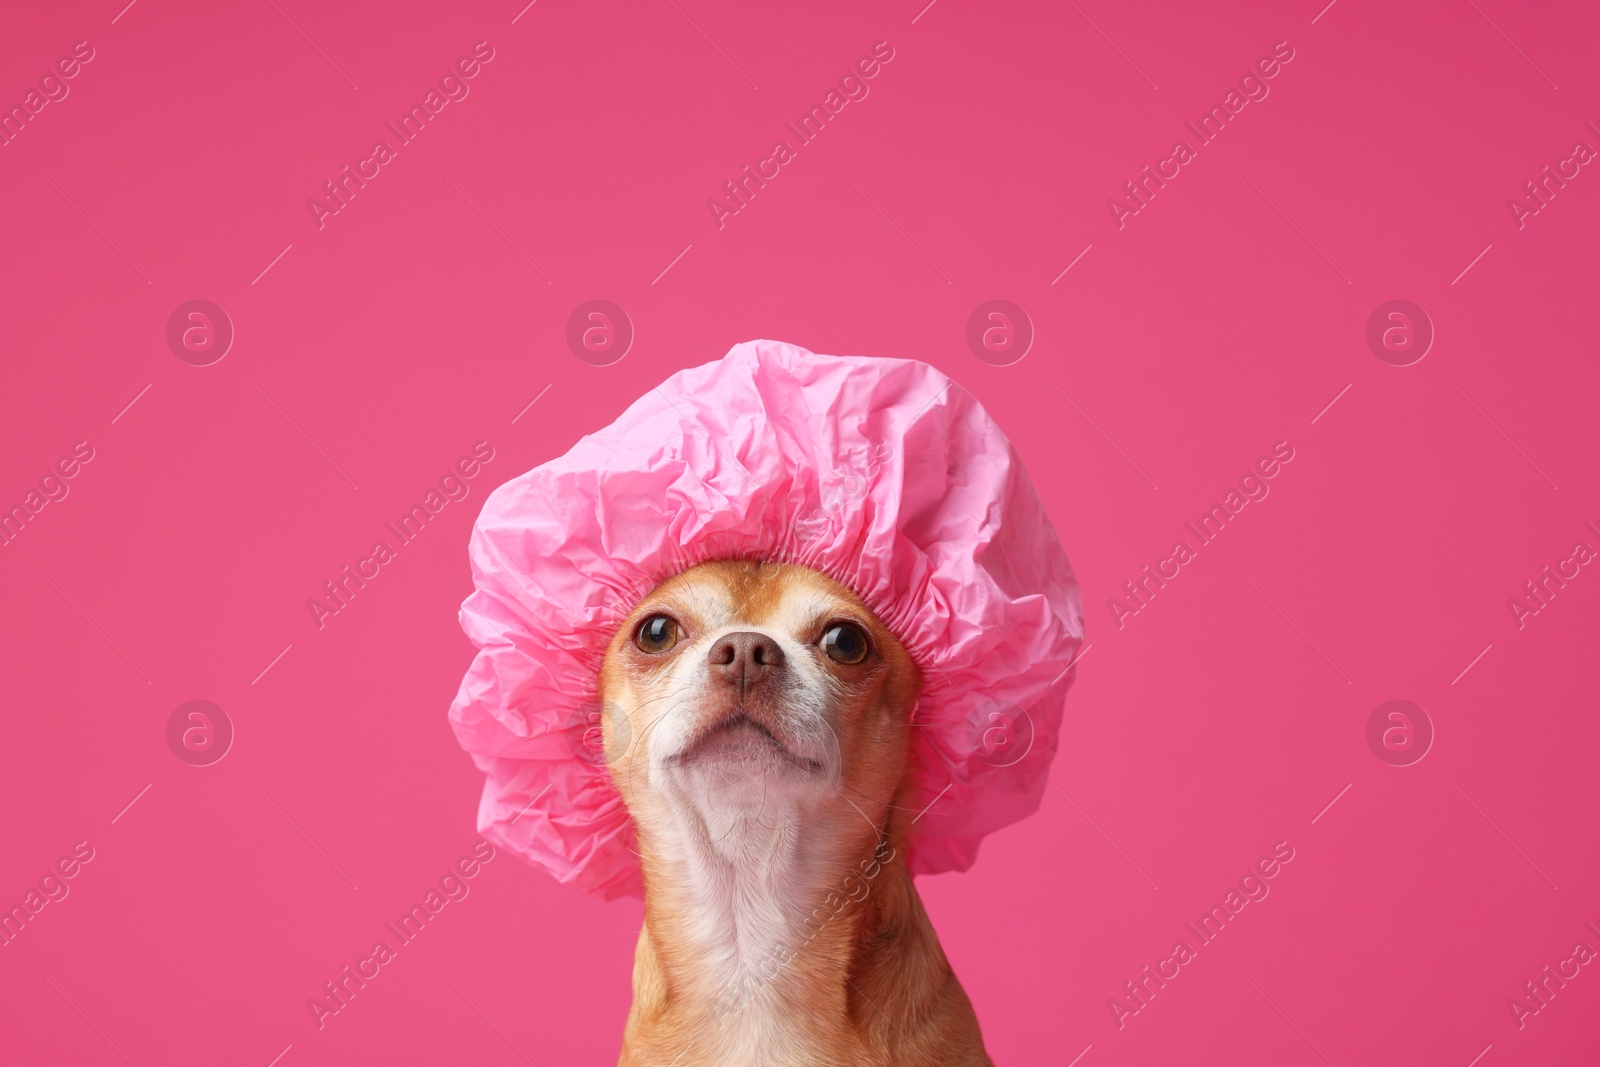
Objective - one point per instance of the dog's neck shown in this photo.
(741, 894)
(795, 937)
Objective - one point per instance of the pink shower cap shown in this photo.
(880, 473)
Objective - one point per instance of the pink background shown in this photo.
(1223, 318)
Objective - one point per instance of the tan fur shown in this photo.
(781, 924)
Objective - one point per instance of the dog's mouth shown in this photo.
(739, 738)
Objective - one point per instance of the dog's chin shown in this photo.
(739, 748)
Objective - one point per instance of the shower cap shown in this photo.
(880, 473)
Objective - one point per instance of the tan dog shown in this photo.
(758, 728)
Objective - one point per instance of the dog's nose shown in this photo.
(745, 659)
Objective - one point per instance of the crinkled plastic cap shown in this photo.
(882, 474)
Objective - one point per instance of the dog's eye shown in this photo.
(844, 642)
(657, 634)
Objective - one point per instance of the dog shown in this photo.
(758, 727)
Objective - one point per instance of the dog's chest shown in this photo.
(753, 973)
(768, 1033)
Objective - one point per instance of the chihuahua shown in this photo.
(758, 721)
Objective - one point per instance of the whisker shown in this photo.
(863, 814)
(875, 800)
